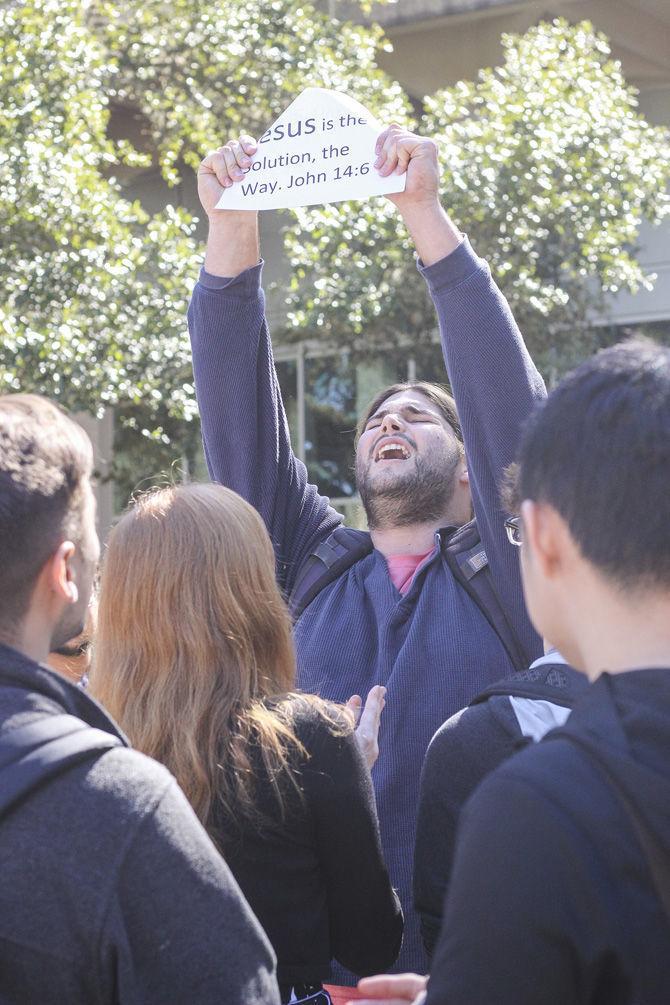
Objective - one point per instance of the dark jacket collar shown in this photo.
(18, 671)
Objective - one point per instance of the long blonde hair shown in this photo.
(193, 654)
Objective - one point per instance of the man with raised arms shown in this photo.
(398, 616)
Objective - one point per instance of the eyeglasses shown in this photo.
(513, 528)
(72, 652)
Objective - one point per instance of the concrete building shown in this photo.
(436, 43)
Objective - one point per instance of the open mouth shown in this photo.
(392, 452)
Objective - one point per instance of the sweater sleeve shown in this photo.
(496, 386)
(178, 928)
(244, 428)
(524, 916)
(463, 751)
(364, 911)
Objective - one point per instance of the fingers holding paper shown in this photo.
(233, 243)
(222, 168)
(398, 151)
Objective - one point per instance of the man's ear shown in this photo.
(60, 573)
(462, 477)
(545, 535)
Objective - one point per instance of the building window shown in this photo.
(330, 421)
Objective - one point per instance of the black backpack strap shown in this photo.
(553, 682)
(655, 855)
(30, 756)
(331, 557)
(468, 562)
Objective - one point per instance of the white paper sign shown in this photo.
(321, 149)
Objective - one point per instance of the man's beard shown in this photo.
(69, 627)
(73, 618)
(422, 495)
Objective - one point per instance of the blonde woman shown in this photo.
(195, 661)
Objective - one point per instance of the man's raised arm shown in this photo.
(493, 379)
(244, 427)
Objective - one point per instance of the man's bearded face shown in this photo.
(406, 462)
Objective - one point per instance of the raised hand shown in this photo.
(368, 718)
(232, 244)
(222, 168)
(399, 151)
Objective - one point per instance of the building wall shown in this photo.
(654, 243)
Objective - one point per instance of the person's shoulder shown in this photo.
(471, 719)
(553, 772)
(325, 731)
(105, 804)
(475, 725)
(124, 784)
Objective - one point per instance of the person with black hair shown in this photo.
(560, 890)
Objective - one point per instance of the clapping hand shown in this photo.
(367, 718)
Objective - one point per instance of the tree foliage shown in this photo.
(547, 165)
(94, 287)
(200, 72)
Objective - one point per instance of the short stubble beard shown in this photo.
(420, 496)
(69, 627)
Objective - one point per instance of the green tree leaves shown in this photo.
(547, 165)
(90, 283)
(550, 169)
(94, 288)
(201, 73)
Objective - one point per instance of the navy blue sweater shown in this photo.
(432, 648)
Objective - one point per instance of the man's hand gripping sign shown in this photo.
(321, 149)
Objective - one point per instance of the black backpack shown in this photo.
(554, 682)
(32, 755)
(465, 556)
